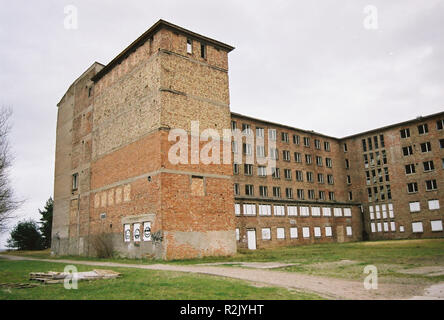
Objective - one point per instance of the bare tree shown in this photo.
(8, 203)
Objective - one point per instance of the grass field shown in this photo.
(326, 259)
(137, 284)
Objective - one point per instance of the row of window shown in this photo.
(300, 193)
(203, 48)
(284, 136)
(427, 166)
(386, 209)
(425, 147)
(422, 129)
(415, 206)
(134, 232)
(430, 185)
(377, 158)
(377, 175)
(276, 173)
(379, 193)
(281, 210)
(294, 234)
(375, 141)
(417, 227)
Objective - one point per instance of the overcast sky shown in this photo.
(310, 64)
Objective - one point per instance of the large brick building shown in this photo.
(115, 178)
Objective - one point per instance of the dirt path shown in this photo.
(326, 287)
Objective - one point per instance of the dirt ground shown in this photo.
(327, 287)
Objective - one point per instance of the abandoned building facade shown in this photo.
(116, 184)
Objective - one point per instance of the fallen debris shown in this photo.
(18, 285)
(52, 277)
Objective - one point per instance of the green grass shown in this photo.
(387, 256)
(137, 284)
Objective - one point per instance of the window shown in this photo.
(365, 161)
(272, 134)
(234, 147)
(127, 233)
(347, 164)
(249, 190)
(431, 185)
(326, 212)
(436, 225)
(311, 194)
(316, 211)
(347, 212)
(308, 159)
(90, 92)
(328, 162)
(386, 227)
(331, 196)
(320, 178)
(327, 146)
(300, 194)
(299, 176)
(264, 210)
(423, 128)
(306, 142)
(433, 204)
(279, 210)
(379, 226)
(317, 232)
(263, 191)
(328, 232)
(391, 213)
(236, 189)
(426, 147)
(280, 233)
(203, 51)
(441, 143)
(345, 147)
(237, 234)
(274, 154)
(297, 157)
(266, 234)
(384, 211)
(309, 176)
(261, 171)
(292, 210)
(276, 192)
(275, 173)
(286, 155)
(428, 166)
(260, 132)
(189, 46)
(75, 181)
(440, 124)
(236, 168)
(321, 195)
(410, 168)
(289, 193)
(249, 209)
(246, 129)
(306, 232)
(373, 227)
(293, 233)
(136, 233)
(337, 212)
(248, 169)
(284, 137)
(233, 125)
(412, 187)
(415, 206)
(237, 209)
(407, 151)
(330, 179)
(348, 231)
(319, 161)
(370, 145)
(392, 226)
(381, 139)
(405, 133)
(364, 145)
(317, 144)
(296, 139)
(260, 151)
(246, 148)
(417, 227)
(287, 174)
(304, 211)
(371, 212)
(349, 180)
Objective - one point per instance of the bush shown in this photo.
(26, 236)
(103, 245)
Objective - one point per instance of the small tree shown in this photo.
(46, 223)
(25, 236)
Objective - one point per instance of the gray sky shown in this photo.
(308, 64)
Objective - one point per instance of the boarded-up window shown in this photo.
(315, 211)
(197, 186)
(433, 204)
(372, 213)
(264, 210)
(147, 231)
(237, 234)
(266, 233)
(414, 206)
(436, 225)
(392, 226)
(293, 233)
(292, 210)
(249, 209)
(391, 212)
(237, 209)
(373, 227)
(280, 233)
(127, 233)
(306, 232)
(304, 211)
(337, 212)
(349, 231)
(136, 228)
(326, 212)
(328, 232)
(317, 232)
(347, 212)
(279, 210)
(386, 227)
(379, 225)
(417, 227)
